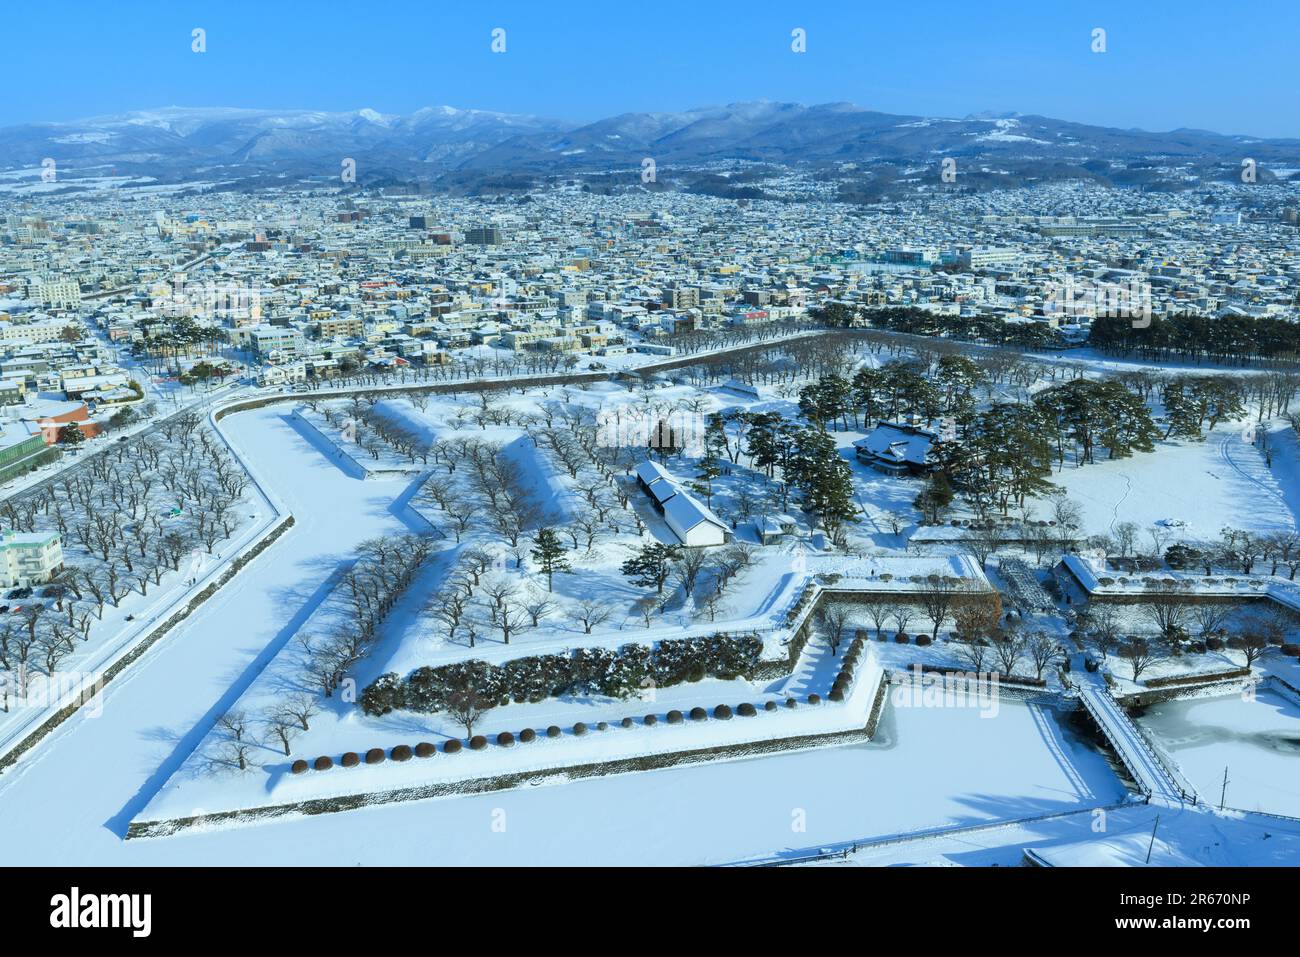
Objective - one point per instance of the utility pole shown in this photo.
(1223, 795)
(1153, 838)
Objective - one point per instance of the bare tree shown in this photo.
(1210, 616)
(1139, 654)
(234, 754)
(1105, 625)
(591, 612)
(1041, 650)
(982, 542)
(938, 595)
(1251, 643)
(833, 619)
(537, 607)
(467, 708)
(879, 610)
(1008, 650)
(647, 608)
(690, 563)
(1166, 607)
(281, 727)
(234, 723)
(974, 653)
(301, 708)
(902, 613)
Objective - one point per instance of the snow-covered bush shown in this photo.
(588, 671)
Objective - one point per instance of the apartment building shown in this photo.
(29, 558)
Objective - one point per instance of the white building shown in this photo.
(29, 557)
(694, 523)
(691, 520)
(51, 291)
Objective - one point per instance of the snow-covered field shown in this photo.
(1222, 481)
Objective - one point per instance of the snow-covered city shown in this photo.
(753, 486)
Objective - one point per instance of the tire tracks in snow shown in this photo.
(1273, 491)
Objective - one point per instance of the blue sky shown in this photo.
(1222, 66)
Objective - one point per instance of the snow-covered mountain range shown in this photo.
(436, 140)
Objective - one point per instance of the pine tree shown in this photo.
(652, 565)
(71, 434)
(548, 551)
(824, 479)
(935, 498)
(710, 469)
(761, 444)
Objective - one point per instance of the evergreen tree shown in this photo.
(824, 480)
(761, 444)
(710, 469)
(652, 565)
(71, 434)
(548, 551)
(935, 498)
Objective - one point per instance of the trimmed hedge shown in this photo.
(478, 742)
(425, 750)
(651, 719)
(553, 731)
(722, 712)
(527, 735)
(506, 739)
(299, 766)
(579, 729)
(452, 746)
(401, 753)
(374, 756)
(351, 759)
(585, 671)
(323, 763)
(746, 710)
(1202, 678)
(674, 717)
(698, 714)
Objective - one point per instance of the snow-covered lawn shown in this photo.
(1257, 741)
(1222, 481)
(927, 768)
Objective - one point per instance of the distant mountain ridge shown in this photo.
(437, 140)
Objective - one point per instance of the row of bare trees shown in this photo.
(367, 591)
